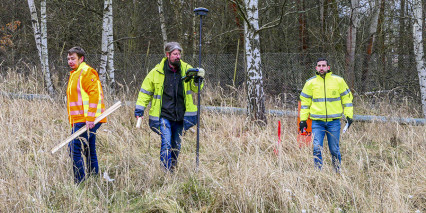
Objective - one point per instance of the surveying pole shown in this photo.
(199, 11)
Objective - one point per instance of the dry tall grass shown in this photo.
(384, 165)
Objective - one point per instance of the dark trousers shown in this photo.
(84, 145)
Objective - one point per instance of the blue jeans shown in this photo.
(85, 145)
(170, 142)
(332, 129)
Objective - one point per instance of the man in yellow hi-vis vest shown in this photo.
(172, 107)
(322, 99)
(85, 102)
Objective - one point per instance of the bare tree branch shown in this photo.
(242, 11)
(88, 8)
(229, 31)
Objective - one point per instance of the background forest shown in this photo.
(293, 35)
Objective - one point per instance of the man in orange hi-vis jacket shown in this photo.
(85, 102)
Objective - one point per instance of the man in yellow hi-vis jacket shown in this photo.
(322, 99)
(172, 107)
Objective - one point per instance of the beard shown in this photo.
(175, 63)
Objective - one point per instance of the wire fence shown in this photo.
(283, 73)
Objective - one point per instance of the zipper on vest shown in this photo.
(325, 101)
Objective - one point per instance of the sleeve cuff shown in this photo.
(139, 112)
(90, 118)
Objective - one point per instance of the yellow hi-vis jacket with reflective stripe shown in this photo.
(85, 99)
(152, 91)
(322, 98)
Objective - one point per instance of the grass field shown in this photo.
(383, 164)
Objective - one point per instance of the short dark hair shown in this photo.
(322, 59)
(77, 50)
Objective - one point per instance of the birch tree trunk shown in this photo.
(107, 48)
(40, 36)
(162, 20)
(44, 51)
(256, 98)
(370, 44)
(104, 45)
(36, 27)
(418, 49)
(111, 69)
(351, 43)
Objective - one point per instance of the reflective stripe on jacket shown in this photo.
(85, 98)
(322, 98)
(152, 91)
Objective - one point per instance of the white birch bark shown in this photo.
(162, 20)
(104, 45)
(111, 69)
(418, 49)
(44, 51)
(36, 26)
(256, 98)
(351, 43)
(40, 36)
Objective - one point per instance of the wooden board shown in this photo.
(83, 129)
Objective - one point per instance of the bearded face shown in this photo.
(174, 57)
(322, 67)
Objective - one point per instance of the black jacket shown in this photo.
(173, 100)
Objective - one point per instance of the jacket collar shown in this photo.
(160, 67)
(79, 66)
(326, 75)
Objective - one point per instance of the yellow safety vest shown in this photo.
(324, 98)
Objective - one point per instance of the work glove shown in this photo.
(138, 112)
(303, 126)
(349, 121)
(201, 72)
(200, 75)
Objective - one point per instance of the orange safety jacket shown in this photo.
(85, 98)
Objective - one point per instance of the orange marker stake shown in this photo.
(279, 138)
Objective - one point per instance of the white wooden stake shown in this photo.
(138, 124)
